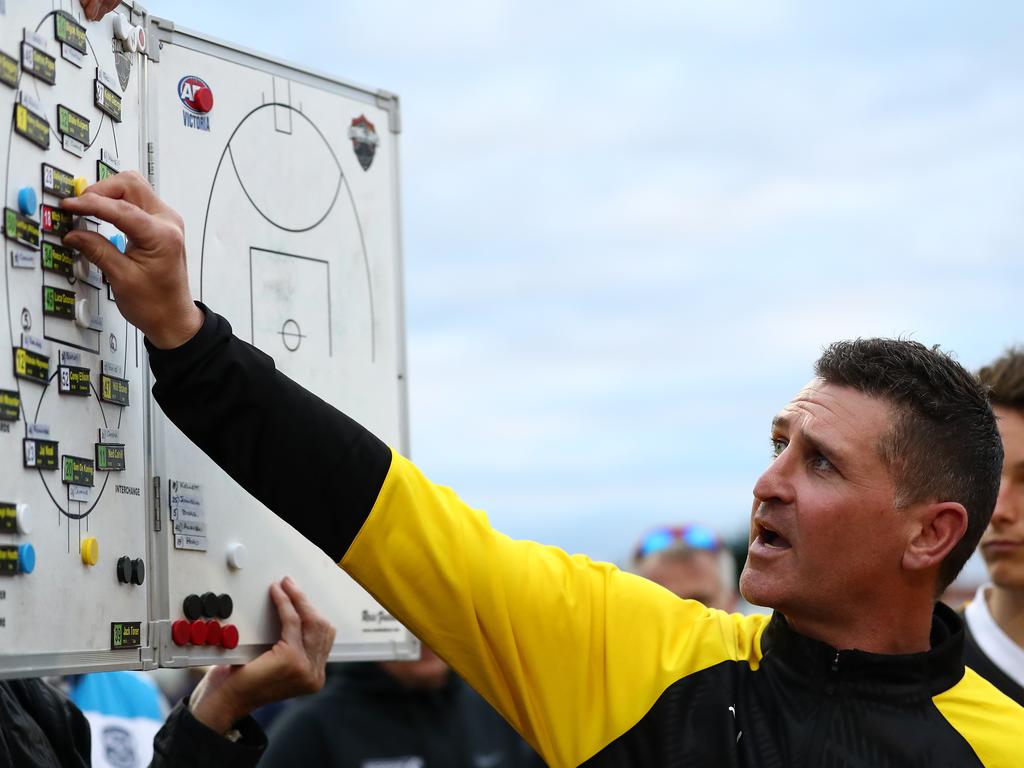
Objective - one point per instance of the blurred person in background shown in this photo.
(395, 714)
(125, 711)
(994, 645)
(690, 561)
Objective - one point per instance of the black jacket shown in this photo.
(364, 716)
(41, 728)
(591, 665)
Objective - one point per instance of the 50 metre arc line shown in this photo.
(342, 180)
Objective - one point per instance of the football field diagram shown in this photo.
(296, 186)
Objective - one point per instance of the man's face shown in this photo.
(695, 576)
(825, 537)
(427, 673)
(1002, 546)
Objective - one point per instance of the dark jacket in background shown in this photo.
(363, 716)
(976, 659)
(41, 728)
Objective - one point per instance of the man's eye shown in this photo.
(820, 463)
(778, 446)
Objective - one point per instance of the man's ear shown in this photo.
(938, 528)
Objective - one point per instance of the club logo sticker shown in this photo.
(364, 140)
(197, 97)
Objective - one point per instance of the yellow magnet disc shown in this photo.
(90, 551)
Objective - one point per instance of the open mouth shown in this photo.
(769, 537)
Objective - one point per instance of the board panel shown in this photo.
(287, 182)
(73, 448)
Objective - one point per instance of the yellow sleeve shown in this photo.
(571, 652)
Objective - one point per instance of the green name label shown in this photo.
(21, 228)
(30, 125)
(40, 454)
(10, 405)
(69, 31)
(72, 124)
(125, 634)
(109, 457)
(104, 171)
(58, 259)
(8, 70)
(38, 64)
(77, 471)
(58, 303)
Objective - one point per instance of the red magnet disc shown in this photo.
(213, 632)
(180, 632)
(203, 99)
(229, 636)
(197, 632)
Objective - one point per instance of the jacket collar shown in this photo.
(873, 675)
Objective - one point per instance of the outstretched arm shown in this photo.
(551, 641)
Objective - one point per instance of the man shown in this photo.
(994, 646)
(39, 727)
(689, 561)
(395, 714)
(885, 471)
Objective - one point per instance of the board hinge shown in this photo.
(157, 523)
(160, 31)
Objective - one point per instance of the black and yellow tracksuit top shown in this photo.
(591, 665)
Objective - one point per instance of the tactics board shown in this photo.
(110, 521)
(289, 193)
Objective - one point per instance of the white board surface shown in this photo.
(62, 614)
(296, 244)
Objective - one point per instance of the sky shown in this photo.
(629, 230)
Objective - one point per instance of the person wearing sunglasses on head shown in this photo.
(691, 562)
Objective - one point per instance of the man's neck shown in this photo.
(907, 630)
(1007, 608)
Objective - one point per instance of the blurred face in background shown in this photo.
(1002, 546)
(428, 673)
(693, 574)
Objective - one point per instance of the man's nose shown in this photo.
(776, 482)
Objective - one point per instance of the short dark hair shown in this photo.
(943, 444)
(1004, 378)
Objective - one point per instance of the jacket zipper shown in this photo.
(830, 701)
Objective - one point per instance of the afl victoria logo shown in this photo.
(195, 94)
